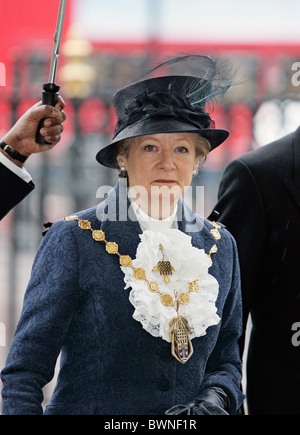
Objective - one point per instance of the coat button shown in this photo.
(163, 384)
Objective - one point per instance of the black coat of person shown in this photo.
(12, 190)
(21, 139)
(259, 202)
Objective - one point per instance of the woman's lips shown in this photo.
(165, 181)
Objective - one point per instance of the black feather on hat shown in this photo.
(170, 103)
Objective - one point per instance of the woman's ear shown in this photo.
(121, 159)
(196, 164)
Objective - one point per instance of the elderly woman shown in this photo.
(140, 295)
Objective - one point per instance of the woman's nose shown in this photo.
(166, 161)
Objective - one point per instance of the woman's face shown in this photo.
(160, 168)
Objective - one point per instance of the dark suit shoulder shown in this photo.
(276, 151)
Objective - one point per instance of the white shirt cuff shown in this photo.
(20, 172)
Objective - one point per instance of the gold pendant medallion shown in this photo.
(181, 345)
(164, 267)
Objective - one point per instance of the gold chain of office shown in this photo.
(164, 267)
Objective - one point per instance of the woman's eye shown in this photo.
(149, 147)
(182, 150)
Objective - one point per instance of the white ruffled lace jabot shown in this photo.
(189, 264)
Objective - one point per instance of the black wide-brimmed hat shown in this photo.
(170, 104)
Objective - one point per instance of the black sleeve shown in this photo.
(241, 210)
(12, 190)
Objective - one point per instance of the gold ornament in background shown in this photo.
(77, 75)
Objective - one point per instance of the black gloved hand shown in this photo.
(212, 401)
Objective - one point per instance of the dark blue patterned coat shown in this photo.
(76, 303)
